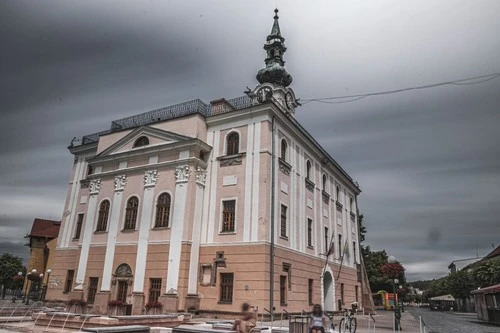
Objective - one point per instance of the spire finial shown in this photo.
(275, 47)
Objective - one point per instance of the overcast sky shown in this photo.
(428, 161)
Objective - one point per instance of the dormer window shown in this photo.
(233, 143)
(142, 141)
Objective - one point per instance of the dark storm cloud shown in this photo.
(427, 160)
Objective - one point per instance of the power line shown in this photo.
(353, 98)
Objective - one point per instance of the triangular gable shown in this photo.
(156, 137)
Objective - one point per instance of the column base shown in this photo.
(192, 303)
(138, 303)
(101, 302)
(170, 302)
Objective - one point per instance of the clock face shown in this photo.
(289, 100)
(264, 94)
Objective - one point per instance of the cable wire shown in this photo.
(357, 97)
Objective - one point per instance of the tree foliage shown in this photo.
(10, 266)
(487, 273)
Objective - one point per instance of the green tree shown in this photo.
(362, 228)
(10, 265)
(487, 273)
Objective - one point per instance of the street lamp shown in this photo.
(47, 284)
(28, 286)
(20, 274)
(393, 260)
(402, 303)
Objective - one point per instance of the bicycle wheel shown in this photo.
(353, 325)
(343, 326)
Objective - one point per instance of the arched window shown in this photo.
(131, 213)
(308, 170)
(284, 147)
(324, 183)
(163, 211)
(142, 141)
(233, 144)
(337, 192)
(102, 219)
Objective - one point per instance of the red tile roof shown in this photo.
(45, 228)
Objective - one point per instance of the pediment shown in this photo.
(154, 137)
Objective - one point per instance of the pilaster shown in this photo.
(200, 177)
(94, 187)
(114, 222)
(174, 257)
(150, 178)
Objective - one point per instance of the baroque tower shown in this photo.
(274, 78)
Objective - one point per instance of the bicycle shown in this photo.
(348, 323)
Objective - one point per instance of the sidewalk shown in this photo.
(384, 322)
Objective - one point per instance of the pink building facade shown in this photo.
(205, 206)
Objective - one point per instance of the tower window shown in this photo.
(142, 141)
(131, 213)
(284, 147)
(233, 143)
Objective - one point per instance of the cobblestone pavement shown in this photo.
(449, 322)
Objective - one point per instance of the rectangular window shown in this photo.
(206, 275)
(356, 291)
(226, 287)
(327, 243)
(79, 223)
(310, 291)
(283, 288)
(93, 281)
(283, 221)
(342, 293)
(154, 289)
(228, 215)
(354, 251)
(122, 291)
(309, 232)
(68, 284)
(341, 250)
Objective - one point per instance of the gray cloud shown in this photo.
(427, 160)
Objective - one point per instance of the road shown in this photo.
(448, 322)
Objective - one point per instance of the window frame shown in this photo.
(92, 289)
(284, 152)
(222, 212)
(237, 146)
(68, 282)
(136, 215)
(168, 208)
(310, 291)
(310, 233)
(138, 143)
(284, 223)
(283, 289)
(100, 223)
(230, 288)
(78, 226)
(308, 169)
(154, 291)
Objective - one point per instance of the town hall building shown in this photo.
(204, 206)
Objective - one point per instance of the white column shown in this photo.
(248, 184)
(95, 186)
(256, 183)
(174, 253)
(70, 211)
(114, 222)
(213, 188)
(148, 199)
(201, 176)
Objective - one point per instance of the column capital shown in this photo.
(200, 176)
(95, 186)
(150, 178)
(182, 174)
(120, 182)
